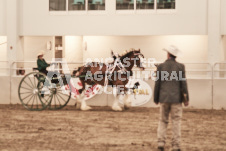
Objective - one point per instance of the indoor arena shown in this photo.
(113, 75)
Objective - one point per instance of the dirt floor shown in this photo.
(102, 129)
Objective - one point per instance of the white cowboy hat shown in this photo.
(40, 53)
(173, 50)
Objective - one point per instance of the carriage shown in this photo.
(38, 91)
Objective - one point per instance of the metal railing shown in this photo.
(22, 65)
(219, 70)
(194, 70)
(198, 70)
(29, 65)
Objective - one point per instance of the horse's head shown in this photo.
(138, 57)
(133, 57)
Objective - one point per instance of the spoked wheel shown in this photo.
(61, 94)
(33, 93)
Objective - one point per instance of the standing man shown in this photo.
(170, 91)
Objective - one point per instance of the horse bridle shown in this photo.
(121, 66)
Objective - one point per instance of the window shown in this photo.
(76, 5)
(124, 4)
(96, 5)
(165, 4)
(144, 4)
(57, 5)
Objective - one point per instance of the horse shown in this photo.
(115, 74)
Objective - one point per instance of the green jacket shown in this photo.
(42, 65)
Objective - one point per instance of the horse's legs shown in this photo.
(78, 101)
(81, 103)
(126, 100)
(84, 106)
(115, 105)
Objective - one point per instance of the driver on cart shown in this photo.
(41, 63)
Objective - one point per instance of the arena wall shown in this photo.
(223, 17)
(3, 17)
(3, 49)
(33, 45)
(200, 92)
(73, 51)
(190, 27)
(79, 48)
(195, 48)
(5, 85)
(224, 46)
(219, 95)
(15, 81)
(37, 20)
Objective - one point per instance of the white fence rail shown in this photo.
(29, 65)
(194, 70)
(206, 82)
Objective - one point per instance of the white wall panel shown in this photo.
(194, 48)
(3, 48)
(73, 50)
(3, 17)
(200, 92)
(223, 47)
(3, 56)
(219, 95)
(190, 18)
(223, 17)
(5, 90)
(14, 90)
(33, 45)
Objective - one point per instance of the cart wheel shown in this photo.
(30, 89)
(61, 94)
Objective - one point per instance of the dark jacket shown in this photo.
(171, 82)
(42, 65)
